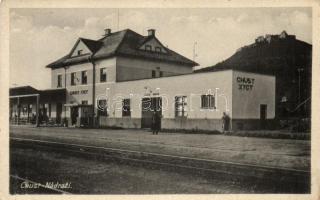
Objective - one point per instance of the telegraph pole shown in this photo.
(299, 72)
(194, 51)
(118, 17)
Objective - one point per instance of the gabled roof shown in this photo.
(92, 44)
(148, 38)
(121, 43)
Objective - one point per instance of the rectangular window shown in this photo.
(148, 47)
(153, 74)
(208, 101)
(158, 49)
(84, 102)
(73, 78)
(181, 106)
(126, 112)
(84, 77)
(59, 81)
(103, 74)
(102, 107)
(161, 74)
(80, 52)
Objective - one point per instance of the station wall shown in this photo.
(135, 69)
(249, 92)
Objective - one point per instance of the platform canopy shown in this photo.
(28, 91)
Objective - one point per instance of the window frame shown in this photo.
(183, 103)
(148, 47)
(103, 75)
(158, 49)
(86, 77)
(126, 107)
(73, 78)
(208, 101)
(59, 81)
(103, 112)
(79, 52)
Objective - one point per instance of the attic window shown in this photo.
(148, 47)
(80, 52)
(158, 49)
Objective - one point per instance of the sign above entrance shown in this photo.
(76, 92)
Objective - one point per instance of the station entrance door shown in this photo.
(148, 106)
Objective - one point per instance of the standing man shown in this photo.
(225, 122)
(156, 123)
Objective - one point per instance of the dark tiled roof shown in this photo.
(53, 92)
(47, 94)
(57, 95)
(122, 43)
(23, 90)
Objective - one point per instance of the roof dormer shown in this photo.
(84, 47)
(152, 44)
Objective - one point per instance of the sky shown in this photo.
(41, 36)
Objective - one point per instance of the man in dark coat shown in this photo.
(226, 122)
(156, 123)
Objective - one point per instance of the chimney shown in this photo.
(151, 32)
(107, 31)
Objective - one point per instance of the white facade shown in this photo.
(246, 103)
(239, 94)
(242, 104)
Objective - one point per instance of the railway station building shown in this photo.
(122, 78)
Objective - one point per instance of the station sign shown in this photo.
(77, 92)
(245, 83)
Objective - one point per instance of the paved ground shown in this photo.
(285, 153)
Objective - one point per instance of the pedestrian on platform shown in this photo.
(225, 122)
(156, 123)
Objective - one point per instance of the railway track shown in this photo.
(284, 177)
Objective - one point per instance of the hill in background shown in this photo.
(284, 56)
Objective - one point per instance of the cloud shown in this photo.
(20, 22)
(185, 19)
(242, 17)
(32, 48)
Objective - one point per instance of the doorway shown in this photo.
(263, 115)
(74, 115)
(59, 113)
(148, 106)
